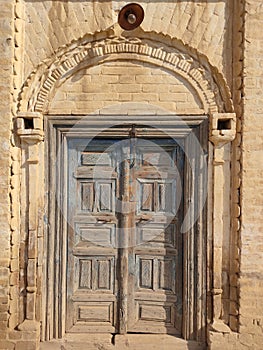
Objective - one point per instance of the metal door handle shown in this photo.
(145, 217)
(103, 220)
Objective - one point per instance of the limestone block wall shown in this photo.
(6, 47)
(251, 239)
(114, 83)
(249, 105)
(204, 25)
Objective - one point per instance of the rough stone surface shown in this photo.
(251, 281)
(115, 83)
(6, 45)
(203, 25)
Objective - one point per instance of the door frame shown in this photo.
(188, 128)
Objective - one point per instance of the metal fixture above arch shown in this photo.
(131, 16)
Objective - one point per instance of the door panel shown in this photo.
(154, 261)
(124, 250)
(92, 253)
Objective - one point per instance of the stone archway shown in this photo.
(169, 54)
(153, 48)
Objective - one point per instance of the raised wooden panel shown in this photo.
(85, 274)
(147, 196)
(105, 195)
(95, 172)
(165, 194)
(157, 196)
(146, 273)
(152, 234)
(155, 313)
(97, 195)
(97, 234)
(95, 159)
(166, 274)
(104, 274)
(95, 312)
(157, 273)
(95, 273)
(157, 159)
(87, 196)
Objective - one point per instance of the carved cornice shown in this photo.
(168, 53)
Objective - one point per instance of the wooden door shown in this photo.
(92, 251)
(124, 250)
(155, 274)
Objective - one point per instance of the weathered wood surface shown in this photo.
(122, 238)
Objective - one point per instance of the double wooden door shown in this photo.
(124, 250)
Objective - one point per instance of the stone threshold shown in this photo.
(121, 342)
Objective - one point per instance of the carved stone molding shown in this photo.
(89, 51)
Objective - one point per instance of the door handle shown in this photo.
(145, 217)
(103, 220)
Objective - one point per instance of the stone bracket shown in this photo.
(222, 128)
(29, 126)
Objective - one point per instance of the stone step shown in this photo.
(154, 342)
(122, 342)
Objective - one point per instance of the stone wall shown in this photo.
(204, 25)
(251, 238)
(6, 45)
(249, 286)
(114, 83)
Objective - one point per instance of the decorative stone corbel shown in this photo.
(222, 131)
(222, 128)
(29, 127)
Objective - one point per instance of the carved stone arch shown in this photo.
(157, 49)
